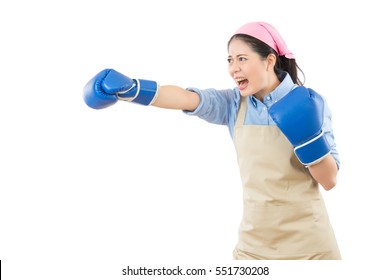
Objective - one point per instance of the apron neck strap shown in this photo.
(242, 111)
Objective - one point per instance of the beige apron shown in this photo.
(284, 215)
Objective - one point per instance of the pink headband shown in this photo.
(267, 34)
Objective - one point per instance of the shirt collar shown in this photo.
(280, 91)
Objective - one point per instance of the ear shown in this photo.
(271, 60)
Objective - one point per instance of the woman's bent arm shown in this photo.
(325, 172)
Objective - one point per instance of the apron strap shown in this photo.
(241, 111)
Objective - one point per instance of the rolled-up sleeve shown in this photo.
(328, 132)
(215, 105)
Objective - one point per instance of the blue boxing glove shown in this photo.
(300, 115)
(109, 86)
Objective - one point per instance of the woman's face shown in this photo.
(252, 73)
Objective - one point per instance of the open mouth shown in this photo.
(242, 83)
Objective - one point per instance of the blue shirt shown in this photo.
(221, 107)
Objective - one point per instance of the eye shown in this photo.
(241, 58)
(229, 60)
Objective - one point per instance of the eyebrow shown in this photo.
(238, 55)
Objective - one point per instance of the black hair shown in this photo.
(282, 63)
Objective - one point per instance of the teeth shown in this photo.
(239, 80)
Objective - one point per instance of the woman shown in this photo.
(282, 134)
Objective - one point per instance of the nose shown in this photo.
(233, 67)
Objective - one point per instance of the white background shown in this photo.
(84, 193)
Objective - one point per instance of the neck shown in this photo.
(264, 92)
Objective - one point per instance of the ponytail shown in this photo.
(291, 67)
